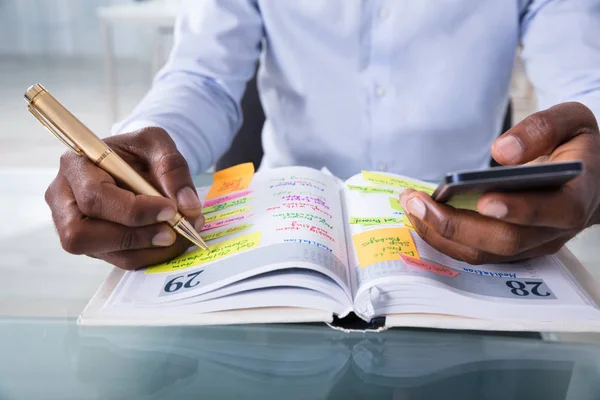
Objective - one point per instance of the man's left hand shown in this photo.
(521, 225)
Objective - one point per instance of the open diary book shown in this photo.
(298, 245)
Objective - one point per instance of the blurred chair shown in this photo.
(247, 144)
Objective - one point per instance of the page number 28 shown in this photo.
(520, 288)
(175, 284)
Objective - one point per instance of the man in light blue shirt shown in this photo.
(418, 88)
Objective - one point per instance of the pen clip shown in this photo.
(48, 125)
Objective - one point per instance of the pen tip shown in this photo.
(187, 230)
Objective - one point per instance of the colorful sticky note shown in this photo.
(227, 198)
(382, 179)
(466, 201)
(231, 180)
(407, 222)
(368, 189)
(383, 245)
(224, 222)
(225, 214)
(222, 206)
(374, 220)
(214, 252)
(429, 266)
(395, 204)
(225, 232)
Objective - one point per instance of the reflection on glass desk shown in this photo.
(56, 359)
(45, 355)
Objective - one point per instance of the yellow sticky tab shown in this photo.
(225, 232)
(229, 204)
(225, 214)
(407, 223)
(367, 189)
(467, 201)
(383, 245)
(374, 220)
(381, 179)
(231, 180)
(395, 204)
(214, 252)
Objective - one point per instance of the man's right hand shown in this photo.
(97, 216)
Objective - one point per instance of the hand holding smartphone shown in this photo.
(507, 179)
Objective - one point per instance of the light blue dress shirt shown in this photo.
(415, 87)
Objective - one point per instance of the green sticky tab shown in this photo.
(367, 189)
(374, 220)
(395, 204)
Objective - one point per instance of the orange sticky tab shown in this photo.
(429, 266)
(231, 180)
(378, 245)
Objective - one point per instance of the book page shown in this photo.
(398, 272)
(288, 218)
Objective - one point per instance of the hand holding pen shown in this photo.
(109, 208)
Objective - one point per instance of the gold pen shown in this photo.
(77, 137)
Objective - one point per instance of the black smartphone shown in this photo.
(507, 179)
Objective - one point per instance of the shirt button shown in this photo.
(384, 13)
(382, 167)
(379, 91)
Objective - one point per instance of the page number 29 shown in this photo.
(175, 284)
(521, 288)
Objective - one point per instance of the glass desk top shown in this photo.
(45, 355)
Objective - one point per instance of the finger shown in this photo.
(98, 197)
(565, 208)
(477, 256)
(81, 235)
(540, 133)
(167, 168)
(135, 259)
(470, 229)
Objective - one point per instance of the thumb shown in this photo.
(168, 170)
(541, 133)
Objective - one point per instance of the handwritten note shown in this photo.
(368, 189)
(382, 179)
(222, 206)
(302, 206)
(466, 201)
(225, 232)
(224, 222)
(298, 226)
(214, 252)
(395, 204)
(429, 266)
(314, 243)
(383, 245)
(374, 220)
(231, 180)
(225, 214)
(306, 216)
(227, 198)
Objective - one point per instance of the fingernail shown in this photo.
(164, 238)
(199, 223)
(416, 207)
(509, 147)
(187, 198)
(166, 214)
(495, 209)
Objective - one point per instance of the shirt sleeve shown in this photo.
(561, 51)
(196, 95)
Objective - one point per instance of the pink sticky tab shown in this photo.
(224, 222)
(429, 266)
(229, 197)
